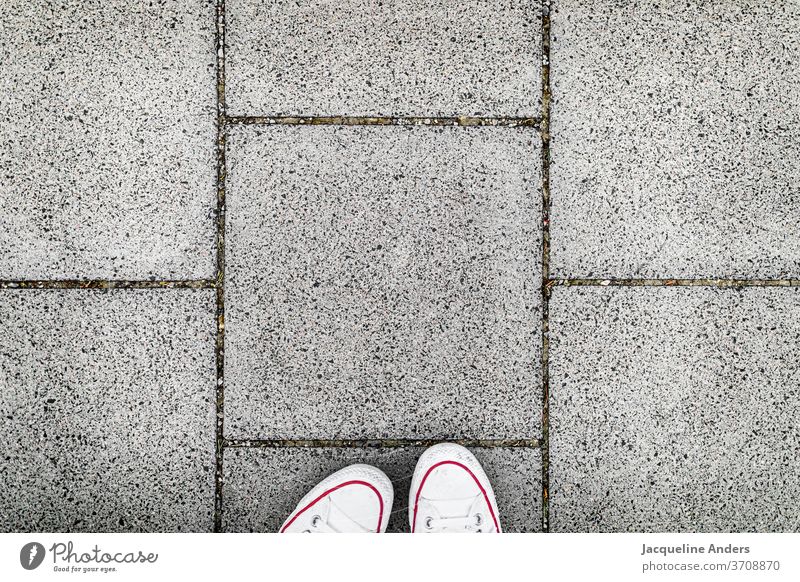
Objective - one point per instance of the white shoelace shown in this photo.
(467, 524)
(473, 522)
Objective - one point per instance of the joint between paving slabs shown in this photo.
(220, 275)
(107, 284)
(377, 443)
(723, 283)
(457, 121)
(544, 129)
(548, 284)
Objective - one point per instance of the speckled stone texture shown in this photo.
(107, 403)
(674, 409)
(391, 57)
(263, 486)
(383, 283)
(107, 136)
(675, 127)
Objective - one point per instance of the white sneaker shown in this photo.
(356, 499)
(451, 493)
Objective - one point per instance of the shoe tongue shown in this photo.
(343, 522)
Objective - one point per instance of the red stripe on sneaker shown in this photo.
(471, 474)
(331, 490)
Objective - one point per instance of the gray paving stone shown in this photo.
(107, 139)
(382, 282)
(675, 409)
(673, 130)
(370, 57)
(263, 486)
(107, 401)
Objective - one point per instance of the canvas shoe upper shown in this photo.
(451, 493)
(356, 499)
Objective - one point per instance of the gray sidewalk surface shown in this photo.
(246, 243)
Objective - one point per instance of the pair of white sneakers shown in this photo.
(449, 493)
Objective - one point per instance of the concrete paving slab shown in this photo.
(675, 409)
(370, 57)
(108, 410)
(383, 283)
(673, 130)
(263, 486)
(107, 139)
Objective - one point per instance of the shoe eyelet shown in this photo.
(315, 521)
(478, 519)
(428, 524)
